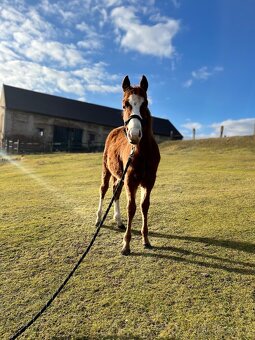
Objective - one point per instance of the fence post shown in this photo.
(221, 131)
(5, 145)
(194, 133)
(18, 146)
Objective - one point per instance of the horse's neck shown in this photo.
(146, 142)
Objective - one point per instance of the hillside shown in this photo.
(196, 283)
(211, 144)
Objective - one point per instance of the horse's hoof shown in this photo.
(125, 251)
(122, 227)
(147, 246)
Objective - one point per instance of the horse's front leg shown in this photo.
(145, 204)
(103, 189)
(117, 214)
(131, 209)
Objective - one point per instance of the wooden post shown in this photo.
(18, 146)
(194, 133)
(221, 131)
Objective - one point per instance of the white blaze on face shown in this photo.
(134, 126)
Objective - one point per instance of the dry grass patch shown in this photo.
(196, 283)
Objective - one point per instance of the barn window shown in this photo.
(41, 132)
(92, 137)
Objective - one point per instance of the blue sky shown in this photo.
(198, 56)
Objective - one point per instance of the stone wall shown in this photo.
(40, 128)
(35, 128)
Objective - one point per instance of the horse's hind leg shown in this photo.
(117, 214)
(103, 189)
(131, 209)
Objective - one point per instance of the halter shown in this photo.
(130, 118)
(134, 116)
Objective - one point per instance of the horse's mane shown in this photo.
(149, 121)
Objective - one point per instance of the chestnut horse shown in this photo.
(136, 132)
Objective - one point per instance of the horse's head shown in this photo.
(135, 108)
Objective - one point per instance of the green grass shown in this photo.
(196, 283)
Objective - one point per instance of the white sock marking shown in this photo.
(117, 215)
(100, 210)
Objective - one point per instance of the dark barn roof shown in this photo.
(54, 106)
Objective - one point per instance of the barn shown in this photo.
(37, 122)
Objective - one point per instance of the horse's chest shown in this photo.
(141, 169)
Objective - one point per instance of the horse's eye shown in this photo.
(126, 105)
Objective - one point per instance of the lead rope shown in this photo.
(28, 324)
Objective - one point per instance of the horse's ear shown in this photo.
(125, 83)
(144, 83)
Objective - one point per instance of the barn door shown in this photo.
(67, 139)
(75, 139)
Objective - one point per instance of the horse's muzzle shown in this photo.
(134, 136)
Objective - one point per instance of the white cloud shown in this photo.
(176, 3)
(192, 125)
(188, 83)
(30, 36)
(36, 77)
(202, 74)
(110, 3)
(103, 88)
(153, 40)
(11, 14)
(61, 9)
(45, 45)
(6, 53)
(239, 127)
(187, 129)
(33, 53)
(89, 44)
(82, 26)
(92, 40)
(232, 127)
(61, 55)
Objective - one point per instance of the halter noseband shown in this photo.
(133, 116)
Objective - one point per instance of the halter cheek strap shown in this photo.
(131, 117)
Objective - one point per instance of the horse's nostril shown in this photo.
(140, 134)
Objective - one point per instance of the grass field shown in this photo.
(198, 282)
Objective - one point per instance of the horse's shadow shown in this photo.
(187, 256)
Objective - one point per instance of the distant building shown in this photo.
(52, 123)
